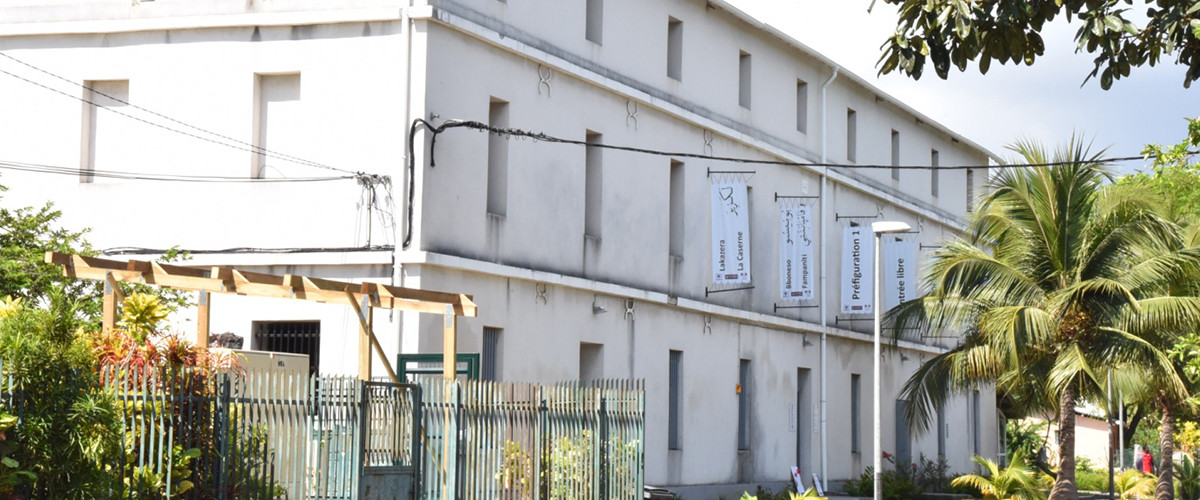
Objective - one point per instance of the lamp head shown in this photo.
(889, 226)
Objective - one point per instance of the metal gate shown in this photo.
(391, 454)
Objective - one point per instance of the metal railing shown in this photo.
(195, 434)
(494, 440)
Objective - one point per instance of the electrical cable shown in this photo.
(245, 250)
(110, 174)
(543, 137)
(252, 148)
(437, 130)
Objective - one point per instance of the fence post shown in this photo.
(603, 448)
(450, 440)
(543, 452)
(221, 418)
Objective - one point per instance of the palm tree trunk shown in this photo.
(1165, 490)
(1064, 485)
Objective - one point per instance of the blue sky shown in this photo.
(1044, 102)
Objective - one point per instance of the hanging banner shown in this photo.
(795, 253)
(899, 269)
(730, 230)
(858, 270)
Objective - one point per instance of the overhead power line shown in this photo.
(109, 174)
(232, 142)
(244, 250)
(543, 137)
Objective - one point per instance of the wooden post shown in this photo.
(366, 325)
(202, 329)
(112, 300)
(449, 343)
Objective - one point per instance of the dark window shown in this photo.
(976, 438)
(743, 429)
(295, 337)
(674, 379)
(941, 432)
(970, 190)
(491, 348)
(855, 409)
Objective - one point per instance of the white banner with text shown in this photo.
(899, 269)
(730, 230)
(858, 270)
(795, 252)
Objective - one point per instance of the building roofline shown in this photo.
(845, 73)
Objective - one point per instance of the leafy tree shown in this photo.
(1071, 276)
(26, 234)
(955, 32)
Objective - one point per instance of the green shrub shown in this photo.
(69, 425)
(1091, 480)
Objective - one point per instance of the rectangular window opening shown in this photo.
(594, 185)
(676, 209)
(278, 121)
(942, 432)
(970, 190)
(595, 21)
(106, 135)
(743, 428)
(497, 159)
(490, 364)
(855, 414)
(976, 438)
(933, 173)
(851, 136)
(895, 155)
(295, 337)
(675, 49)
(802, 106)
(674, 381)
(591, 361)
(744, 79)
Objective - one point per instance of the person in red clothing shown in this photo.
(1147, 461)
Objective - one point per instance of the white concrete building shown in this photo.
(586, 262)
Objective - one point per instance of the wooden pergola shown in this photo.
(363, 297)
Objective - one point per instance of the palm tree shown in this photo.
(1131, 484)
(1041, 315)
(1015, 482)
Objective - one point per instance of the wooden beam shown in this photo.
(202, 314)
(228, 280)
(449, 343)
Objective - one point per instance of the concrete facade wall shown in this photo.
(368, 68)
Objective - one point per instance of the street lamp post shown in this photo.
(880, 228)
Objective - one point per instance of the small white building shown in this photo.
(251, 132)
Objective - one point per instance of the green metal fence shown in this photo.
(266, 435)
(493, 440)
(192, 434)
